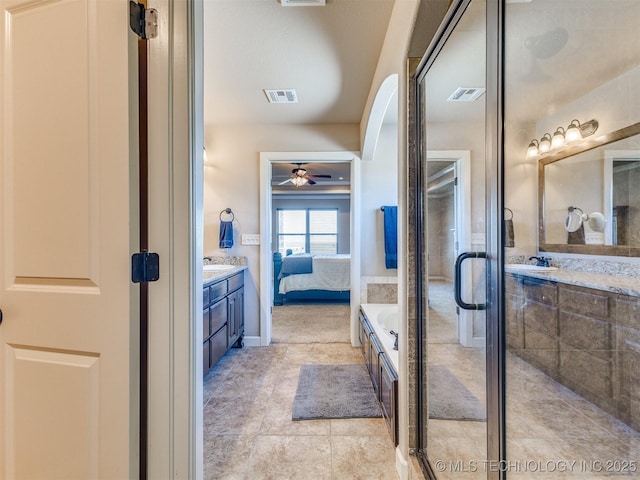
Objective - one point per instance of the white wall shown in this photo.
(231, 179)
(379, 180)
(465, 136)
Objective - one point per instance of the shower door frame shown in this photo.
(494, 198)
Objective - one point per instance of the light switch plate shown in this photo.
(250, 239)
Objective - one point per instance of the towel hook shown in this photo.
(228, 212)
(510, 211)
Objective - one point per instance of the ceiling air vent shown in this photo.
(465, 94)
(282, 96)
(303, 3)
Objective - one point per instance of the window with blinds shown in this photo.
(307, 230)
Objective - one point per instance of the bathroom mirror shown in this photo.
(597, 176)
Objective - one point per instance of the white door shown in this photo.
(65, 290)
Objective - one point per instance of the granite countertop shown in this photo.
(600, 281)
(212, 277)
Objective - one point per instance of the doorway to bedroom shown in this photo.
(308, 232)
(311, 218)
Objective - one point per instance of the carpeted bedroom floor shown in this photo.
(310, 323)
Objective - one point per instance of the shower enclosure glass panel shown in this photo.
(572, 334)
(453, 428)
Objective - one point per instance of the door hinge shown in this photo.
(145, 267)
(143, 21)
(455, 182)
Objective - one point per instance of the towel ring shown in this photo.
(510, 211)
(228, 212)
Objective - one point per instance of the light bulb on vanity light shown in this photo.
(532, 149)
(573, 132)
(545, 143)
(558, 138)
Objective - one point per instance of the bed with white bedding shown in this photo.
(311, 277)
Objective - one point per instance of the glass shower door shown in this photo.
(572, 329)
(453, 382)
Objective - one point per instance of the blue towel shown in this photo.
(226, 234)
(390, 237)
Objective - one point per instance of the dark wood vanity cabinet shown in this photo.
(383, 376)
(584, 338)
(388, 396)
(222, 318)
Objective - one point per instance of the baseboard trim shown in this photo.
(402, 467)
(252, 342)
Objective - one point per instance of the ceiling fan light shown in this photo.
(299, 181)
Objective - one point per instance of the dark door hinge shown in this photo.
(143, 21)
(145, 267)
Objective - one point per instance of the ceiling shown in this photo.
(328, 54)
(550, 50)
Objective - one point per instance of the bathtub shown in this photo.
(383, 318)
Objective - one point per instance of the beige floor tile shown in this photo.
(359, 427)
(229, 416)
(362, 457)
(297, 457)
(226, 456)
(249, 433)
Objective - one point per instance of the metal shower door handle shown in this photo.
(458, 281)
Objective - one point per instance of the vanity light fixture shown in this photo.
(558, 138)
(532, 150)
(545, 143)
(574, 132)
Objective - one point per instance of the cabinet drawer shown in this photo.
(591, 303)
(206, 324)
(218, 315)
(236, 281)
(513, 284)
(205, 297)
(218, 290)
(218, 345)
(540, 291)
(206, 357)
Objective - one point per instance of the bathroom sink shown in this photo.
(518, 267)
(217, 268)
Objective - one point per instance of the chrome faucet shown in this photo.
(395, 344)
(541, 261)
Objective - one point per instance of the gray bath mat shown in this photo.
(449, 399)
(335, 391)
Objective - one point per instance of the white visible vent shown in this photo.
(281, 96)
(465, 94)
(303, 3)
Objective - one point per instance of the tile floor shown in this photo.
(249, 434)
(552, 433)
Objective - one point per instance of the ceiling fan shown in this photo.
(300, 177)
